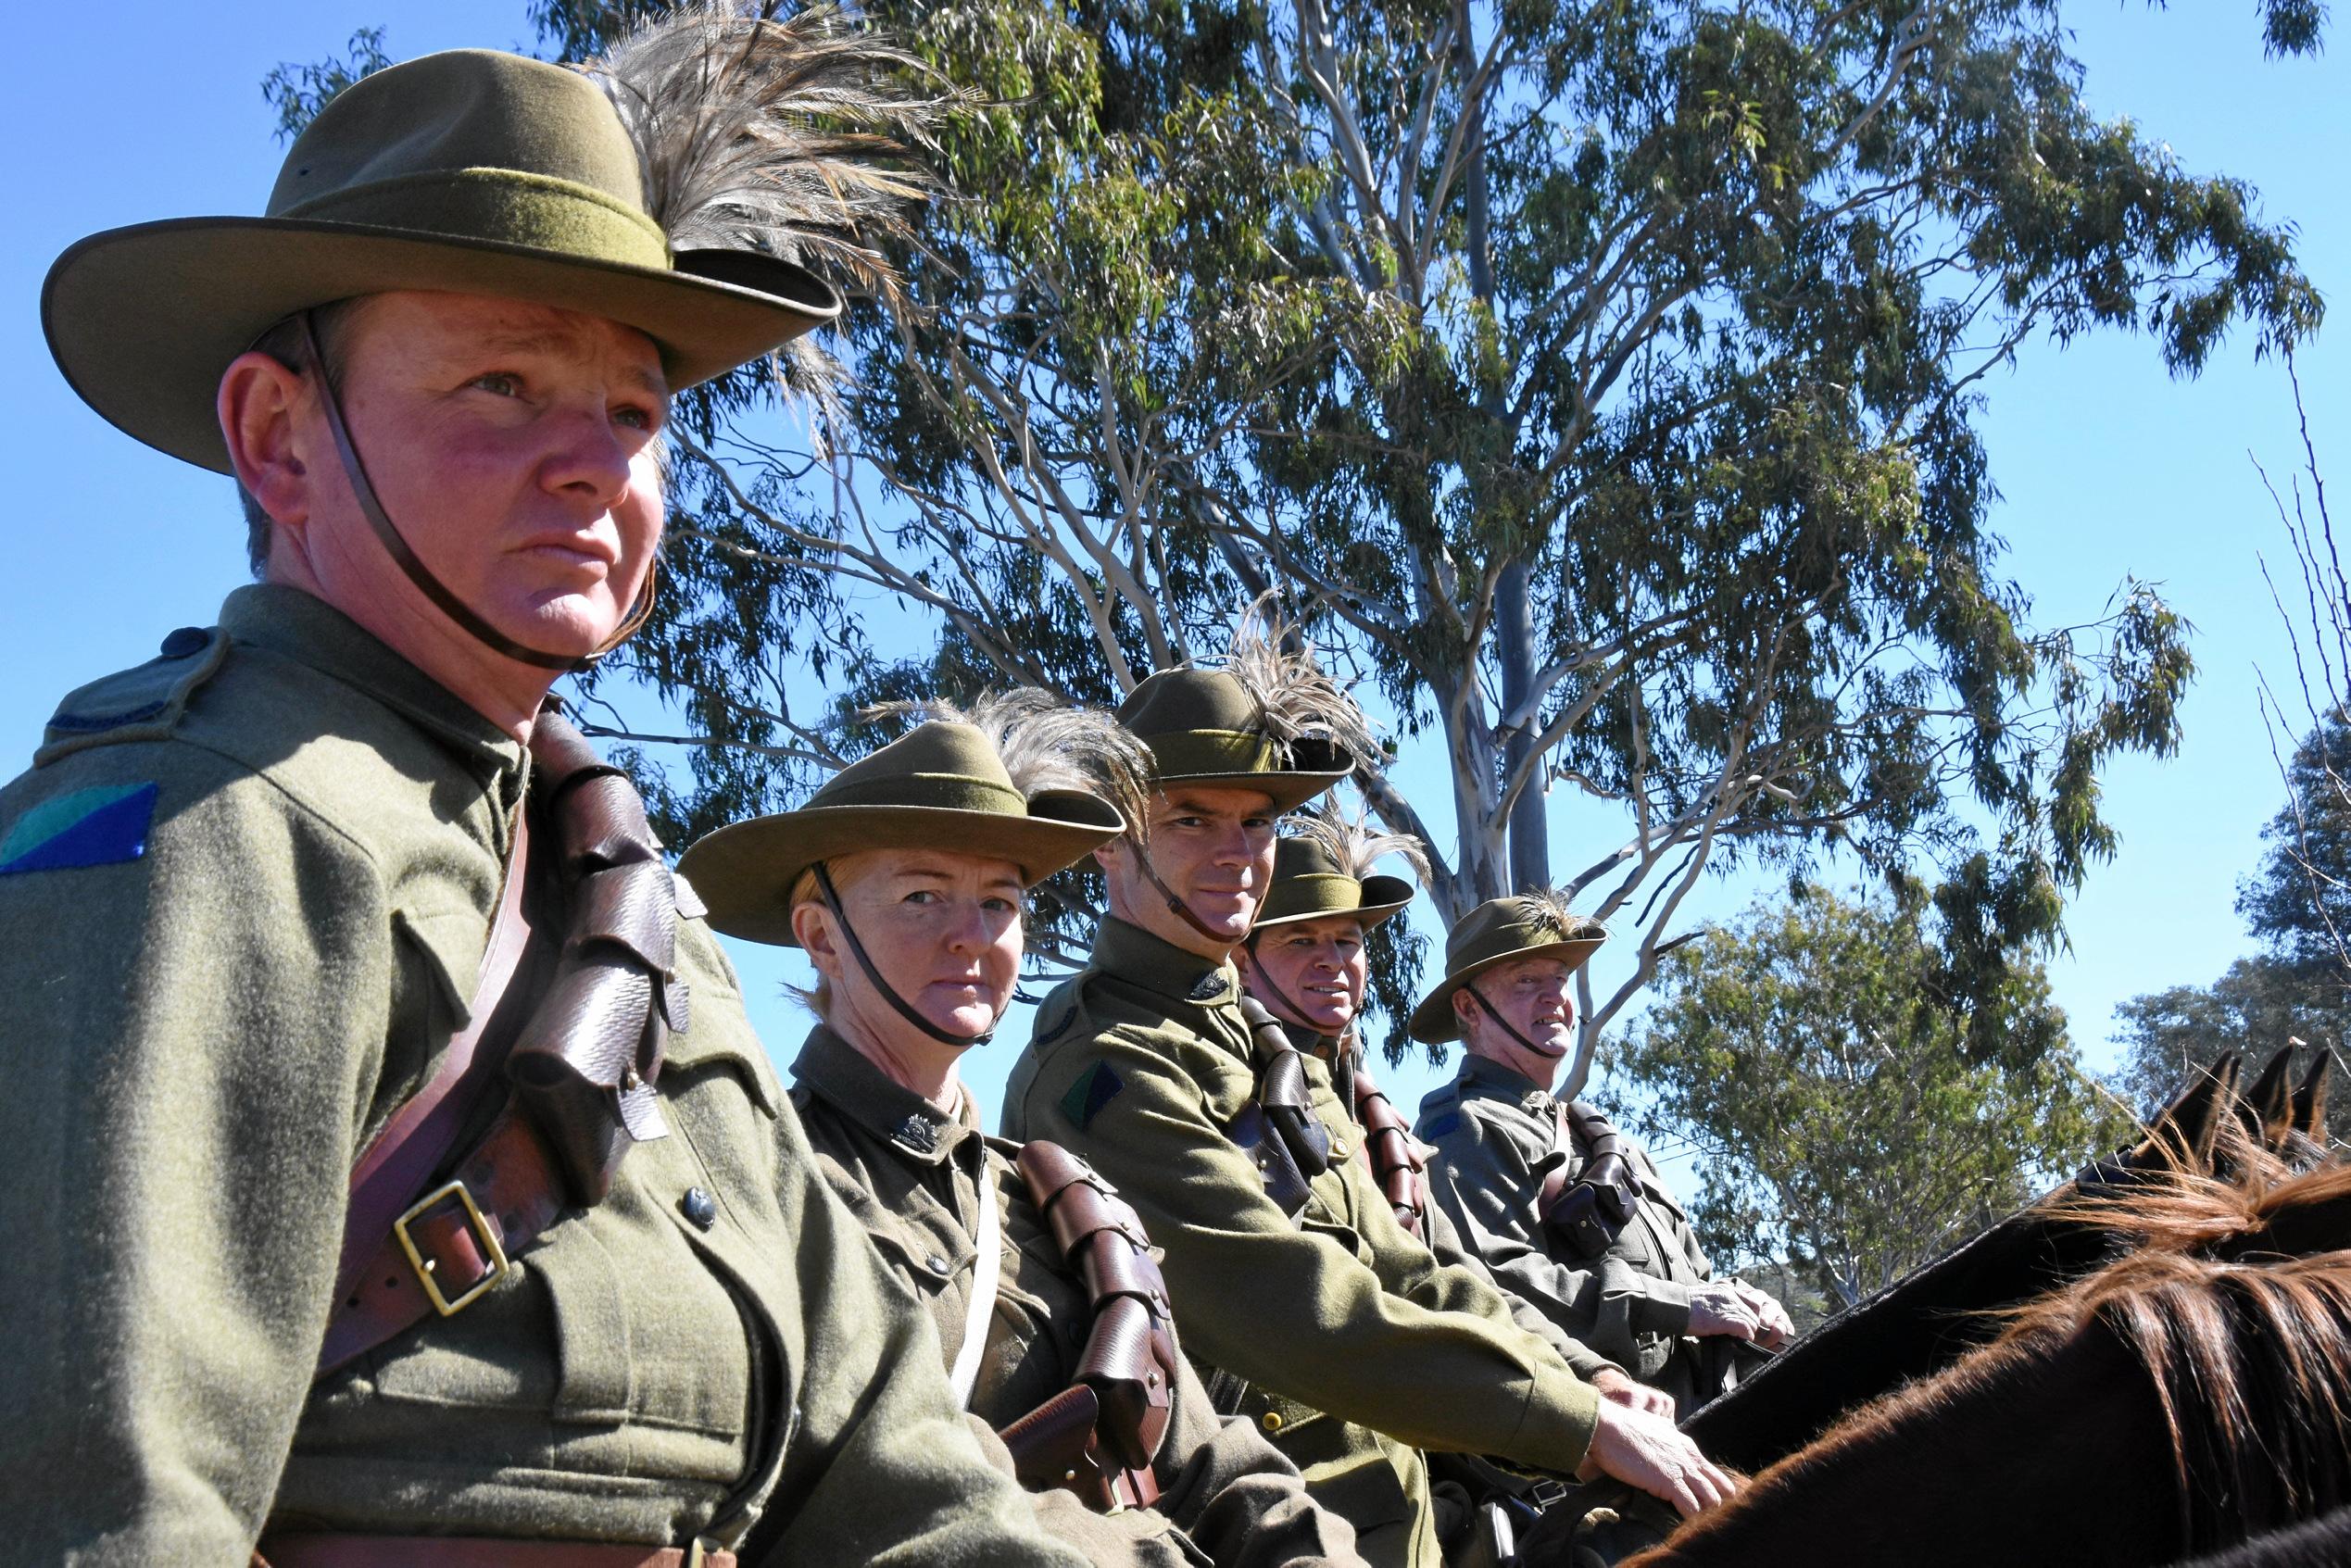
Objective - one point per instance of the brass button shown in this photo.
(1339, 1151)
(1273, 1421)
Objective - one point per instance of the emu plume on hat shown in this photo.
(1270, 720)
(1323, 867)
(1523, 926)
(1018, 777)
(678, 185)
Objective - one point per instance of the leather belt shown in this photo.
(306, 1551)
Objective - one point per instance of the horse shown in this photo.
(1926, 1321)
(2190, 1398)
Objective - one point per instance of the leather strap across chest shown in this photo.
(1389, 1151)
(1589, 1212)
(571, 1024)
(1099, 1436)
(1278, 1128)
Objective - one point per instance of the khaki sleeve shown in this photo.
(1296, 1310)
(1237, 1496)
(192, 1033)
(1444, 1244)
(1479, 1176)
(884, 1468)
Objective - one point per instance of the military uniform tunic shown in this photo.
(1492, 1129)
(243, 894)
(1443, 1241)
(1357, 1347)
(912, 1175)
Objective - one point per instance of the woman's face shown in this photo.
(943, 929)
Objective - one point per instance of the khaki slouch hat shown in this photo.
(949, 783)
(1523, 926)
(1323, 868)
(661, 188)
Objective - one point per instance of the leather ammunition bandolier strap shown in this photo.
(1394, 1158)
(1278, 1129)
(1590, 1212)
(575, 1030)
(1098, 1437)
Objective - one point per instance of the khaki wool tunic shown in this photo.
(243, 894)
(912, 1175)
(1340, 1058)
(1492, 1129)
(1356, 1347)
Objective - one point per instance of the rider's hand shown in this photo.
(1647, 1452)
(1721, 1306)
(1773, 1328)
(1618, 1388)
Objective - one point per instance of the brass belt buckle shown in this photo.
(442, 1303)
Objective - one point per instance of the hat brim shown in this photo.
(1287, 789)
(1383, 896)
(143, 320)
(1433, 1023)
(745, 872)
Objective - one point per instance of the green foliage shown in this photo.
(1601, 383)
(298, 93)
(1814, 1054)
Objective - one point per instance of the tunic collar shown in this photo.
(308, 631)
(1181, 979)
(1484, 1075)
(842, 1076)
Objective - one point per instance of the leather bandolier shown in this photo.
(1098, 1437)
(1588, 1213)
(574, 1028)
(1388, 1149)
(1277, 1128)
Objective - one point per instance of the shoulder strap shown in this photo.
(1390, 1154)
(1099, 1438)
(1562, 1150)
(420, 1137)
(964, 1376)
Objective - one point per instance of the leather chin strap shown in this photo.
(1502, 1023)
(874, 976)
(1177, 906)
(396, 546)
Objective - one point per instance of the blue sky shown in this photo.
(2107, 467)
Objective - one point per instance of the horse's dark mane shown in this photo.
(2246, 1350)
(2250, 1358)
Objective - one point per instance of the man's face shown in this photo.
(1532, 995)
(1215, 850)
(514, 447)
(1311, 971)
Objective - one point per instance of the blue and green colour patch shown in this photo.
(90, 827)
(1095, 1088)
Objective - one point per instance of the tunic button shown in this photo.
(699, 1206)
(186, 641)
(1273, 1421)
(938, 1265)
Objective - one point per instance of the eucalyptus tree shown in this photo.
(1811, 1059)
(1598, 382)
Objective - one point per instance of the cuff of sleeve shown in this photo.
(1663, 1309)
(1562, 1414)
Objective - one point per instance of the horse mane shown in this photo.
(2248, 1352)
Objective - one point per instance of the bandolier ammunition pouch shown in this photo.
(1590, 1212)
(1278, 1129)
(1098, 1437)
